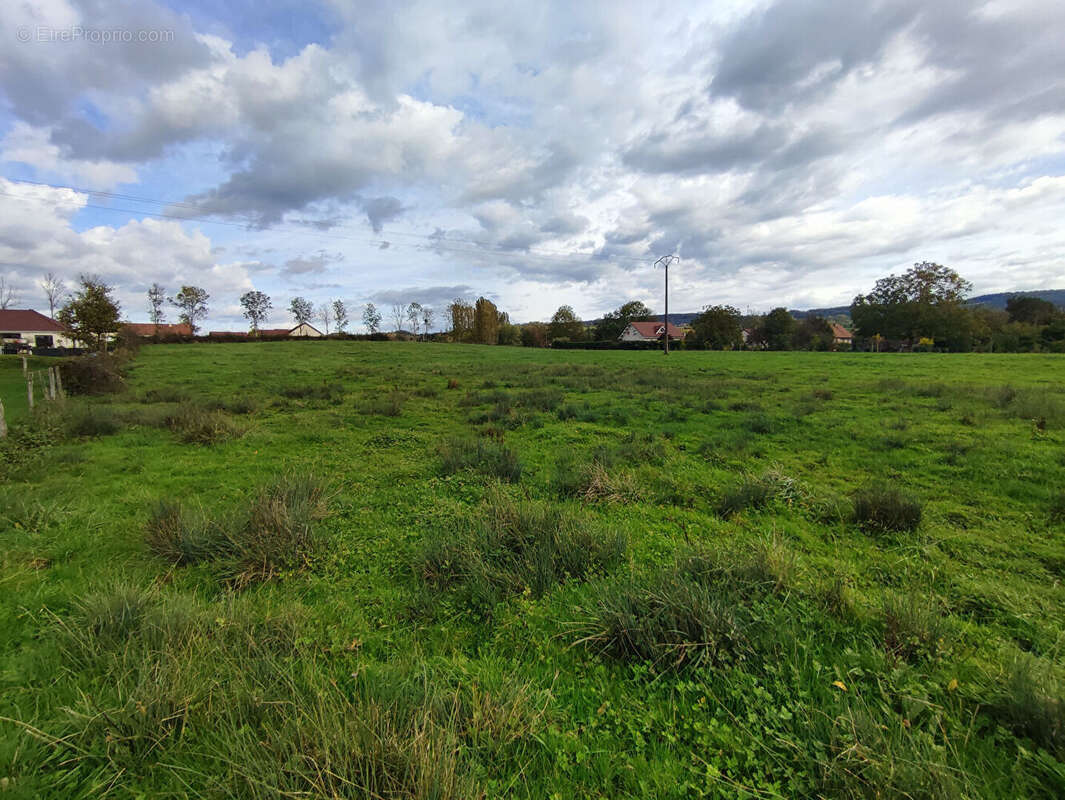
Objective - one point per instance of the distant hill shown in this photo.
(996, 300)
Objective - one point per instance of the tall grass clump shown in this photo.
(195, 424)
(914, 628)
(1031, 704)
(885, 508)
(595, 481)
(1057, 507)
(483, 455)
(514, 546)
(752, 494)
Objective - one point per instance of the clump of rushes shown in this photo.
(884, 508)
(488, 456)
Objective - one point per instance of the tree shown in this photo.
(325, 314)
(156, 300)
(613, 323)
(91, 313)
(777, 329)
(8, 295)
(717, 328)
(813, 333)
(414, 317)
(340, 315)
(565, 325)
(461, 314)
(399, 314)
(192, 301)
(534, 334)
(427, 320)
(53, 286)
(371, 318)
(301, 310)
(921, 303)
(485, 321)
(257, 307)
(1033, 310)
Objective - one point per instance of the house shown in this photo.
(303, 330)
(148, 329)
(649, 332)
(841, 335)
(23, 328)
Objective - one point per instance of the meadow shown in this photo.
(399, 570)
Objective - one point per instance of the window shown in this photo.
(43, 341)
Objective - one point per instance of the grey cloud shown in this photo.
(380, 210)
(565, 224)
(434, 296)
(315, 264)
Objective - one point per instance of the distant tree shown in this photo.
(613, 323)
(414, 316)
(778, 328)
(924, 302)
(534, 334)
(91, 313)
(325, 314)
(53, 287)
(192, 302)
(1033, 310)
(461, 314)
(156, 305)
(813, 333)
(509, 334)
(257, 307)
(717, 328)
(565, 325)
(371, 318)
(399, 315)
(427, 320)
(8, 296)
(485, 321)
(301, 310)
(340, 315)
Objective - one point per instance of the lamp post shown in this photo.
(665, 261)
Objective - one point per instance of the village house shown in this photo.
(649, 332)
(21, 329)
(841, 336)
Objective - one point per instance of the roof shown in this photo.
(228, 333)
(840, 332)
(275, 331)
(27, 321)
(652, 330)
(149, 329)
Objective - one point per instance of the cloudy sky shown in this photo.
(790, 151)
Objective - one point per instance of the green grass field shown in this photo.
(348, 569)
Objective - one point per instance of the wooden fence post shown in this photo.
(24, 367)
(3, 422)
(51, 383)
(29, 390)
(59, 382)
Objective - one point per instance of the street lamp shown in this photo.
(665, 261)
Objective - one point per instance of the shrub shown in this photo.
(97, 373)
(914, 628)
(483, 455)
(886, 509)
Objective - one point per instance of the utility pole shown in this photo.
(665, 261)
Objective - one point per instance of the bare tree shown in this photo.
(325, 314)
(427, 320)
(54, 287)
(414, 316)
(8, 295)
(399, 314)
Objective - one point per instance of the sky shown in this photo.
(790, 152)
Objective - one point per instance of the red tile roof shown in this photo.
(148, 329)
(27, 321)
(839, 332)
(653, 330)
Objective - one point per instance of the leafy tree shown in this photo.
(565, 325)
(91, 314)
(717, 328)
(371, 318)
(485, 321)
(534, 334)
(813, 333)
(301, 310)
(922, 303)
(777, 329)
(53, 286)
(156, 304)
(1033, 310)
(414, 317)
(340, 315)
(192, 301)
(613, 323)
(257, 307)
(461, 314)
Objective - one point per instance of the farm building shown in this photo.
(147, 329)
(22, 328)
(649, 332)
(304, 329)
(841, 335)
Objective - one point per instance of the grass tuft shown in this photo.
(483, 455)
(880, 508)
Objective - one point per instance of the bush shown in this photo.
(488, 456)
(886, 509)
(98, 373)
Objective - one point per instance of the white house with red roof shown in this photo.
(649, 332)
(24, 328)
(841, 335)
